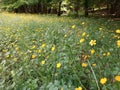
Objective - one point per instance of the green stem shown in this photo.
(94, 75)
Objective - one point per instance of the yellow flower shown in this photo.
(33, 56)
(53, 48)
(118, 43)
(79, 88)
(82, 40)
(108, 53)
(94, 64)
(92, 42)
(118, 31)
(65, 35)
(43, 45)
(58, 65)
(84, 64)
(100, 29)
(83, 34)
(92, 51)
(116, 36)
(103, 80)
(73, 26)
(15, 59)
(33, 47)
(33, 41)
(17, 48)
(4, 51)
(88, 35)
(83, 23)
(117, 78)
(104, 54)
(43, 62)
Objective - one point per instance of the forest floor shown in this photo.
(59, 53)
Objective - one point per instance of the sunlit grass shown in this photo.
(51, 53)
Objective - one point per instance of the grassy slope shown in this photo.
(27, 40)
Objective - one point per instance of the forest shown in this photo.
(108, 7)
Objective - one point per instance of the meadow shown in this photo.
(43, 52)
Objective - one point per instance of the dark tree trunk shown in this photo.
(86, 8)
(77, 8)
(48, 10)
(114, 9)
(39, 7)
(59, 8)
(108, 7)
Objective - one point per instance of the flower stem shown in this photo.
(94, 75)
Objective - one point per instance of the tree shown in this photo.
(86, 7)
(75, 6)
(59, 8)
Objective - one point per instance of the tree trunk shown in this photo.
(108, 7)
(86, 8)
(77, 8)
(59, 8)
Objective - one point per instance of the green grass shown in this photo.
(31, 47)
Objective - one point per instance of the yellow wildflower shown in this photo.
(108, 53)
(88, 35)
(15, 59)
(100, 29)
(65, 35)
(33, 41)
(82, 40)
(118, 43)
(118, 31)
(53, 48)
(92, 51)
(43, 45)
(17, 48)
(104, 54)
(73, 26)
(117, 78)
(33, 56)
(103, 80)
(58, 65)
(92, 42)
(79, 88)
(94, 64)
(83, 23)
(43, 62)
(83, 34)
(84, 64)
(4, 51)
(33, 47)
